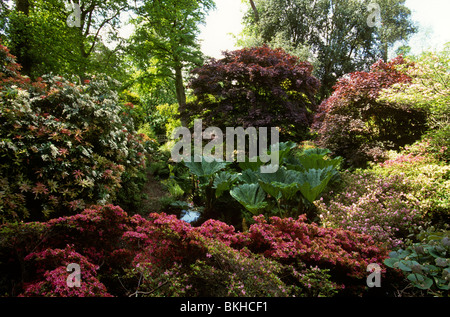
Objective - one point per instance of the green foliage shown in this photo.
(224, 181)
(428, 91)
(425, 264)
(64, 146)
(250, 196)
(291, 190)
(164, 43)
(173, 187)
(313, 182)
(206, 167)
(43, 42)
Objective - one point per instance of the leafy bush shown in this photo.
(394, 199)
(354, 124)
(63, 146)
(258, 87)
(290, 191)
(427, 179)
(426, 264)
(428, 91)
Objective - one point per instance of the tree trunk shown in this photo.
(22, 47)
(180, 91)
(385, 52)
(23, 6)
(255, 11)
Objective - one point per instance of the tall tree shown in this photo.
(336, 31)
(40, 35)
(20, 28)
(165, 38)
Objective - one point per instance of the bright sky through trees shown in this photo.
(432, 16)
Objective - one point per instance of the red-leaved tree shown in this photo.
(354, 125)
(259, 87)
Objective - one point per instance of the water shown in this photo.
(189, 215)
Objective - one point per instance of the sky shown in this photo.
(221, 24)
(432, 16)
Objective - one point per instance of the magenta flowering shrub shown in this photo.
(344, 253)
(51, 275)
(160, 255)
(380, 206)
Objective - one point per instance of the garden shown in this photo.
(360, 195)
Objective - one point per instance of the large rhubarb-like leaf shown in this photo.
(251, 196)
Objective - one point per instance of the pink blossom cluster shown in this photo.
(404, 159)
(51, 275)
(374, 205)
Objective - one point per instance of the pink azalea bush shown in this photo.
(375, 205)
(160, 255)
(51, 275)
(428, 179)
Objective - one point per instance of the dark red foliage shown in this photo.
(259, 87)
(353, 124)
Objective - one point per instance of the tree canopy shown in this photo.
(334, 33)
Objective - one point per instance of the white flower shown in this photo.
(54, 150)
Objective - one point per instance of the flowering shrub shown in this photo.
(52, 282)
(63, 146)
(428, 180)
(379, 206)
(346, 254)
(161, 255)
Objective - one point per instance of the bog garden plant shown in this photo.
(362, 179)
